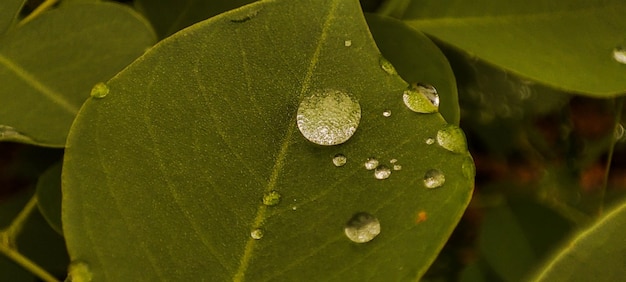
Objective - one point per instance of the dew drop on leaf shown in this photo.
(78, 271)
(382, 172)
(339, 160)
(429, 91)
(329, 117)
(257, 234)
(100, 90)
(362, 227)
(347, 43)
(619, 54)
(387, 66)
(271, 198)
(387, 113)
(417, 101)
(452, 138)
(430, 141)
(434, 178)
(371, 163)
(397, 167)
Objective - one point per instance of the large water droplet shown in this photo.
(382, 172)
(417, 102)
(387, 66)
(429, 91)
(468, 168)
(434, 178)
(78, 271)
(452, 138)
(100, 90)
(619, 54)
(329, 117)
(257, 234)
(339, 160)
(271, 198)
(362, 227)
(371, 163)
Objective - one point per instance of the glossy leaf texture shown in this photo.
(418, 60)
(9, 11)
(597, 253)
(170, 16)
(49, 196)
(48, 66)
(565, 44)
(164, 178)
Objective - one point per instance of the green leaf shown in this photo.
(9, 11)
(565, 44)
(417, 59)
(170, 16)
(595, 254)
(164, 178)
(48, 66)
(49, 196)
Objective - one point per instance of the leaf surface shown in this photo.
(169, 185)
(48, 66)
(9, 10)
(597, 253)
(565, 44)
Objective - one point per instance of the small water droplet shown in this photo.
(429, 91)
(387, 66)
(100, 90)
(371, 163)
(382, 172)
(271, 198)
(387, 113)
(362, 227)
(294, 208)
(430, 141)
(8, 133)
(339, 160)
(257, 234)
(417, 102)
(619, 54)
(452, 138)
(397, 167)
(78, 271)
(468, 168)
(329, 117)
(619, 132)
(434, 178)
(393, 161)
(347, 43)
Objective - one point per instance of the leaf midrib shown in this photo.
(280, 159)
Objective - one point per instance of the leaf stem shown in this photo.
(609, 159)
(40, 9)
(8, 246)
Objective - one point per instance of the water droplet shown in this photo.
(468, 168)
(452, 138)
(382, 172)
(619, 132)
(387, 66)
(257, 234)
(294, 208)
(362, 227)
(393, 161)
(329, 117)
(434, 178)
(339, 160)
(371, 163)
(429, 91)
(100, 90)
(78, 271)
(397, 167)
(271, 198)
(430, 141)
(619, 54)
(8, 133)
(417, 102)
(347, 43)
(387, 113)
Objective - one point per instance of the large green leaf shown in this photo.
(164, 178)
(48, 66)
(565, 44)
(170, 16)
(417, 60)
(596, 254)
(9, 10)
